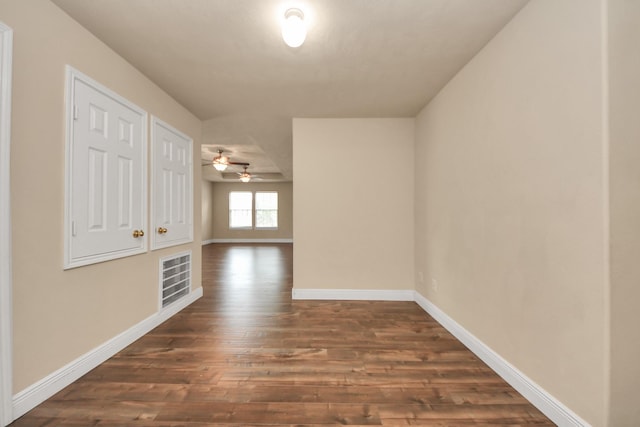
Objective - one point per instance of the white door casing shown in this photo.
(6, 365)
(106, 174)
(172, 186)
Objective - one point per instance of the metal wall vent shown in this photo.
(175, 277)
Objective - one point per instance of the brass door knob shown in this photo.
(162, 230)
(138, 233)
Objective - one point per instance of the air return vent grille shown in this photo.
(175, 277)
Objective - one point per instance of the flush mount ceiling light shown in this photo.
(294, 30)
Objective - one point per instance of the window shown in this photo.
(266, 209)
(240, 209)
(243, 216)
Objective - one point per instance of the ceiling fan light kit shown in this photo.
(220, 162)
(245, 176)
(294, 30)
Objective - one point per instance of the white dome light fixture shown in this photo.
(294, 30)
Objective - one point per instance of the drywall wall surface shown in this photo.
(207, 210)
(624, 152)
(511, 199)
(353, 211)
(60, 315)
(221, 228)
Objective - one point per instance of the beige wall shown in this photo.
(624, 72)
(353, 222)
(511, 200)
(207, 210)
(59, 315)
(221, 210)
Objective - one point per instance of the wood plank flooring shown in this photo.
(247, 355)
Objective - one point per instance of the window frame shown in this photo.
(253, 225)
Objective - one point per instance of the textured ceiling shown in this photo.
(225, 60)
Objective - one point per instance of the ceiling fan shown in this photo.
(245, 176)
(221, 162)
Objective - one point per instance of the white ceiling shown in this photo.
(225, 60)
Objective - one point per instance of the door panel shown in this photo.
(106, 174)
(125, 193)
(172, 194)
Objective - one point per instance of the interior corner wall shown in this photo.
(207, 210)
(221, 211)
(624, 169)
(61, 315)
(511, 200)
(353, 222)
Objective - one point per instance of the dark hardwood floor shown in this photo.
(247, 355)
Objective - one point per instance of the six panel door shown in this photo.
(106, 175)
(172, 186)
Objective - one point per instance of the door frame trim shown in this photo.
(6, 321)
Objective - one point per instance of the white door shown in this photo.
(172, 186)
(106, 175)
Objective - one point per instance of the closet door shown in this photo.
(172, 186)
(106, 174)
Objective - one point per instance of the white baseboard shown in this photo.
(40, 391)
(546, 403)
(207, 242)
(250, 241)
(35, 394)
(353, 294)
(540, 398)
